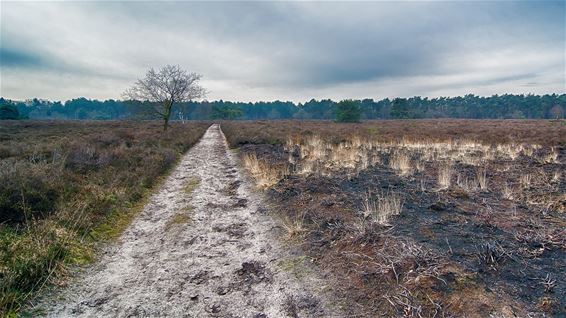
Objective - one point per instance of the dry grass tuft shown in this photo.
(525, 180)
(556, 176)
(508, 192)
(379, 208)
(401, 163)
(550, 156)
(467, 184)
(481, 175)
(264, 174)
(294, 226)
(445, 173)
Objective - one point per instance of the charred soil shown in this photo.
(480, 230)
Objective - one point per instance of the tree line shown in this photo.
(468, 106)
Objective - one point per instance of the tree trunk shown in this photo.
(167, 115)
(166, 119)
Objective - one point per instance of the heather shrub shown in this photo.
(65, 185)
(27, 191)
(82, 158)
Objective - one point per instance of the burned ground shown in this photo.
(491, 242)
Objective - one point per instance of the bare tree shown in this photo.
(165, 87)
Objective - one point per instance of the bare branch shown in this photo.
(166, 87)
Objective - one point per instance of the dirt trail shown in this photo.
(224, 261)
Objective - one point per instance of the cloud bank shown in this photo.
(249, 51)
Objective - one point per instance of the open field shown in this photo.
(432, 218)
(66, 185)
(543, 132)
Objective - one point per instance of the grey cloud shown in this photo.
(41, 61)
(278, 46)
(16, 58)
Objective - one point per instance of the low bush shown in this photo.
(26, 192)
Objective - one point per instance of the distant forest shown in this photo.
(469, 106)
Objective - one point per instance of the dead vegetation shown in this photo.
(264, 174)
(414, 221)
(381, 207)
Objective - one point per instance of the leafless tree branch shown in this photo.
(165, 87)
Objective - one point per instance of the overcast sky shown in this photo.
(250, 51)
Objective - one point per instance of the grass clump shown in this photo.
(178, 219)
(381, 207)
(191, 184)
(263, 173)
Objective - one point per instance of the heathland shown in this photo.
(65, 186)
(414, 218)
(426, 218)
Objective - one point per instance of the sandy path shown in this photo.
(222, 262)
